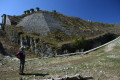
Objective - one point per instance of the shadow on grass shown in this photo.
(36, 74)
(86, 78)
(68, 78)
(77, 78)
(29, 74)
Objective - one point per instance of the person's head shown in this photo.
(21, 48)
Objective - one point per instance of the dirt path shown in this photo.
(109, 47)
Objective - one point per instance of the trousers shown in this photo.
(22, 63)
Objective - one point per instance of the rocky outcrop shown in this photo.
(75, 77)
(37, 46)
(1, 48)
(31, 42)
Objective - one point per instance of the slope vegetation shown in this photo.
(45, 33)
(102, 64)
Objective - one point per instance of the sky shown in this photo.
(104, 11)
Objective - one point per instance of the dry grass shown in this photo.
(98, 64)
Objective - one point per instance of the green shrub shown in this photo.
(79, 42)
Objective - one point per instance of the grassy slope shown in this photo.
(98, 64)
(102, 64)
(81, 26)
(57, 38)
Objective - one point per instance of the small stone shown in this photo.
(1, 64)
(101, 71)
(12, 69)
(72, 67)
(15, 59)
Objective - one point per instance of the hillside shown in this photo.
(52, 21)
(46, 33)
(102, 64)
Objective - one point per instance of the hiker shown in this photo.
(21, 56)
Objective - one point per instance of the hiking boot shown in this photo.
(21, 73)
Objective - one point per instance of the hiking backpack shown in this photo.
(20, 55)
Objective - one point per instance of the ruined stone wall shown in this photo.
(8, 22)
(43, 23)
(0, 26)
(13, 33)
(34, 23)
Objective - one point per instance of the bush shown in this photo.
(80, 42)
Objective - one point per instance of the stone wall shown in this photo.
(43, 23)
(13, 33)
(8, 22)
(0, 27)
(5, 21)
(34, 23)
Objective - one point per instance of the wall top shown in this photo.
(3, 15)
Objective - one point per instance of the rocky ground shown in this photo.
(102, 64)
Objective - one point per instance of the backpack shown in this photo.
(20, 55)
